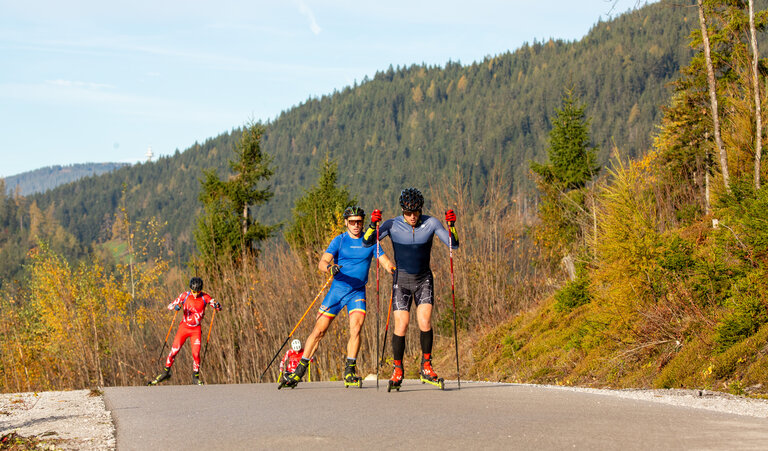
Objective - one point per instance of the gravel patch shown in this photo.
(67, 419)
(696, 399)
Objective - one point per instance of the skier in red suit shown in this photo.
(193, 303)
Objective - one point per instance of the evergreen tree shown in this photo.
(317, 216)
(226, 229)
(562, 181)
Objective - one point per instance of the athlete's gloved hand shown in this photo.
(217, 306)
(450, 217)
(375, 217)
(334, 269)
(177, 307)
(392, 270)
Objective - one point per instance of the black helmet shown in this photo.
(354, 211)
(196, 284)
(411, 199)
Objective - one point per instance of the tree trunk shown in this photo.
(713, 97)
(755, 84)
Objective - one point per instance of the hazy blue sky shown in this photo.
(95, 81)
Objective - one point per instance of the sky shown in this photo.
(103, 81)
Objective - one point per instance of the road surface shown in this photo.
(325, 415)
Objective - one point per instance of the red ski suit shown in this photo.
(291, 360)
(190, 327)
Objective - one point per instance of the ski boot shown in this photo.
(291, 380)
(397, 377)
(196, 378)
(350, 378)
(165, 374)
(428, 375)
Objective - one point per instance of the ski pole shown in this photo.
(386, 329)
(162, 350)
(378, 254)
(453, 297)
(207, 338)
(296, 327)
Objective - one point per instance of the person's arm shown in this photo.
(212, 302)
(326, 264)
(369, 237)
(387, 264)
(443, 234)
(176, 305)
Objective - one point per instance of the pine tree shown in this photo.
(562, 181)
(226, 229)
(317, 216)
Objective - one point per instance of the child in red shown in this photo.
(292, 357)
(193, 302)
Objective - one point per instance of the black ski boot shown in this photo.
(292, 379)
(428, 375)
(196, 378)
(165, 374)
(397, 377)
(350, 378)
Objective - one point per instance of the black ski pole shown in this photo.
(453, 297)
(162, 350)
(295, 327)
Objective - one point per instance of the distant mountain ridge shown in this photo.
(44, 179)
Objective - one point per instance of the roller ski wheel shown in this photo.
(428, 375)
(439, 382)
(391, 385)
(288, 380)
(165, 374)
(358, 382)
(350, 378)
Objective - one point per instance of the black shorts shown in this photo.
(416, 288)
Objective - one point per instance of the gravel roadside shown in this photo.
(696, 399)
(74, 419)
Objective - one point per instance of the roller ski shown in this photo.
(196, 378)
(291, 380)
(350, 378)
(165, 374)
(428, 375)
(397, 378)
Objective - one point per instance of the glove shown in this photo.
(334, 269)
(375, 217)
(393, 270)
(217, 306)
(177, 307)
(450, 217)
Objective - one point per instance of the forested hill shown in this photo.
(418, 126)
(50, 177)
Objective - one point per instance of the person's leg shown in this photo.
(195, 343)
(321, 326)
(178, 342)
(356, 309)
(424, 305)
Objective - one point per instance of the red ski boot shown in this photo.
(428, 375)
(397, 377)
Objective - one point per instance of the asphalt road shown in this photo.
(325, 415)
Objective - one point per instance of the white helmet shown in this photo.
(296, 345)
